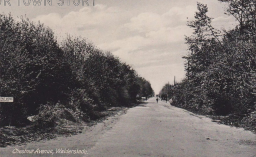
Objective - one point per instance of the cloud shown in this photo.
(151, 41)
(89, 22)
(145, 22)
(224, 22)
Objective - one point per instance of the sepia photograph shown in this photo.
(127, 78)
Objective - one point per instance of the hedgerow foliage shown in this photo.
(43, 75)
(221, 65)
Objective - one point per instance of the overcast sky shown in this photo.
(146, 34)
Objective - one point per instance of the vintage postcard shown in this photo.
(128, 78)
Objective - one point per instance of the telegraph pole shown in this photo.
(188, 69)
(167, 90)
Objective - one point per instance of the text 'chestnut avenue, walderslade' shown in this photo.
(48, 151)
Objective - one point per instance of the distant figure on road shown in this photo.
(156, 100)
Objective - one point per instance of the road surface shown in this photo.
(153, 130)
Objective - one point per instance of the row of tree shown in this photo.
(40, 73)
(221, 65)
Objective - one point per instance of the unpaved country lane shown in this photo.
(162, 130)
(152, 130)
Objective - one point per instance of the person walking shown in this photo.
(156, 100)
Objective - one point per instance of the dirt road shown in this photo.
(151, 129)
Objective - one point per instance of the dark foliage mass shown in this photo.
(50, 80)
(221, 66)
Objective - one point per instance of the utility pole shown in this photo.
(93, 4)
(167, 91)
(188, 70)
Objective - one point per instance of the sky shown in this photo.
(149, 35)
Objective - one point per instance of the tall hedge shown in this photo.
(37, 72)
